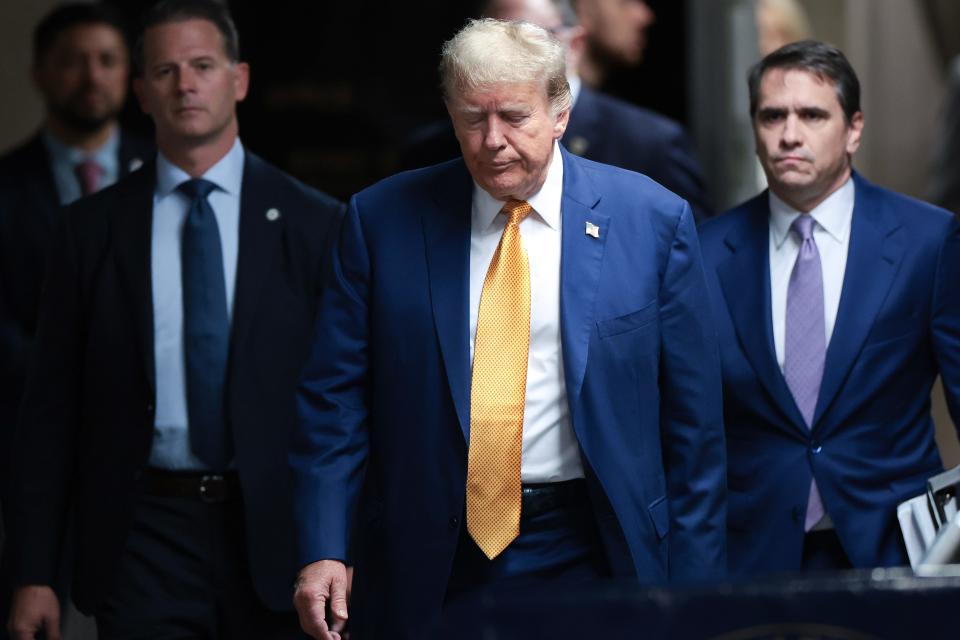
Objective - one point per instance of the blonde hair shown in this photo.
(490, 52)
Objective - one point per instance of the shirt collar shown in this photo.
(833, 215)
(105, 155)
(545, 203)
(227, 173)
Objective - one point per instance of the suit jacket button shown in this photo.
(149, 408)
(454, 522)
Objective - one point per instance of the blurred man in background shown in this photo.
(81, 69)
(616, 35)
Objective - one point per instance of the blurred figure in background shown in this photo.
(81, 69)
(616, 36)
(601, 128)
(780, 22)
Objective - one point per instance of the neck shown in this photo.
(196, 159)
(85, 140)
(592, 74)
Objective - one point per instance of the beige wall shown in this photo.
(902, 81)
(22, 108)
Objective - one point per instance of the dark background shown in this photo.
(336, 87)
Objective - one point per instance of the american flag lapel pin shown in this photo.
(593, 230)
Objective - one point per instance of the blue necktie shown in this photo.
(806, 339)
(206, 328)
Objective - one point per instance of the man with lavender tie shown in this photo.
(835, 314)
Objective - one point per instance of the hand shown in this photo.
(34, 608)
(321, 586)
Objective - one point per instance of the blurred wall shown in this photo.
(22, 108)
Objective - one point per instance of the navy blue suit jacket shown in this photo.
(86, 422)
(872, 441)
(29, 208)
(384, 401)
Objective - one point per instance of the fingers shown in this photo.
(338, 602)
(310, 610)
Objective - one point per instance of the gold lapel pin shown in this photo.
(593, 230)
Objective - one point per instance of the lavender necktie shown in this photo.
(806, 339)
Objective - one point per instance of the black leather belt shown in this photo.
(540, 498)
(204, 486)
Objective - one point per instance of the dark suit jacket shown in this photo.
(872, 441)
(29, 208)
(86, 422)
(604, 129)
(387, 390)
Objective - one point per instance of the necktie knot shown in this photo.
(803, 226)
(516, 211)
(197, 188)
(89, 172)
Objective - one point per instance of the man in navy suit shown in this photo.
(175, 320)
(451, 441)
(601, 127)
(836, 308)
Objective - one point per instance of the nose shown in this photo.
(493, 133)
(790, 136)
(185, 79)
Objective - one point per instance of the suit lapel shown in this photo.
(259, 239)
(132, 221)
(446, 230)
(581, 258)
(745, 280)
(872, 261)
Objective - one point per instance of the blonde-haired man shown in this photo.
(530, 397)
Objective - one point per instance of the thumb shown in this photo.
(338, 603)
(52, 625)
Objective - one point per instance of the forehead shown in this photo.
(532, 94)
(190, 37)
(88, 36)
(789, 87)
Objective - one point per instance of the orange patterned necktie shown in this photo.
(498, 392)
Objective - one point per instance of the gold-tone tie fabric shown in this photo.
(498, 392)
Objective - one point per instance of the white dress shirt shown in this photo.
(171, 439)
(550, 449)
(831, 232)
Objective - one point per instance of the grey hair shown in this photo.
(490, 52)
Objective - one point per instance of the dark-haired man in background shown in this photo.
(175, 320)
(836, 309)
(81, 68)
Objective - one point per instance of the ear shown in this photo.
(241, 80)
(854, 133)
(140, 92)
(560, 124)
